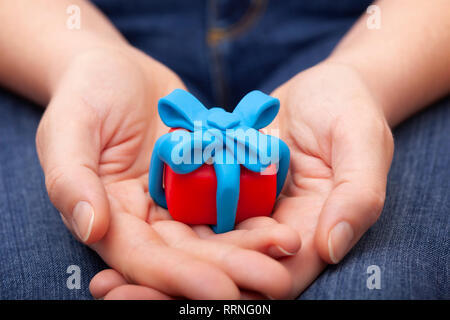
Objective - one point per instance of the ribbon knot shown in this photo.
(237, 141)
(222, 120)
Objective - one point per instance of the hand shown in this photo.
(341, 150)
(94, 143)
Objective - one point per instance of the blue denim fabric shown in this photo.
(222, 49)
(35, 247)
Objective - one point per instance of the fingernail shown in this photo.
(82, 220)
(339, 241)
(279, 251)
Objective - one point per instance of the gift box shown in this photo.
(215, 167)
(191, 197)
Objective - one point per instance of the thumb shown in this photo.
(68, 144)
(360, 165)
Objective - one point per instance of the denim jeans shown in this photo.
(223, 49)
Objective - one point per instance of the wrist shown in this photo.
(366, 78)
(121, 52)
(57, 70)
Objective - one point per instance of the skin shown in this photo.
(335, 117)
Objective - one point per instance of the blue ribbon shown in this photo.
(227, 139)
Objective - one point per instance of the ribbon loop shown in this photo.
(257, 110)
(180, 109)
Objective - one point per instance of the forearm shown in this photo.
(36, 45)
(405, 63)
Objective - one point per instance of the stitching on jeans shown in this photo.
(250, 17)
(216, 35)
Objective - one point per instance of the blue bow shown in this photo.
(227, 140)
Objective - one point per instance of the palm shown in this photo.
(139, 226)
(308, 186)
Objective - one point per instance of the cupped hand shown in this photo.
(94, 143)
(341, 150)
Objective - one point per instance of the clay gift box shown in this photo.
(215, 167)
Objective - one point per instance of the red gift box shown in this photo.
(191, 197)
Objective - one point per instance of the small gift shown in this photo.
(215, 167)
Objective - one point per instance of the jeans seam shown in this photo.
(215, 36)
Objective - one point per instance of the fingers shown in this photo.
(248, 295)
(111, 285)
(362, 153)
(135, 292)
(68, 145)
(104, 281)
(248, 269)
(256, 222)
(134, 249)
(238, 264)
(275, 240)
